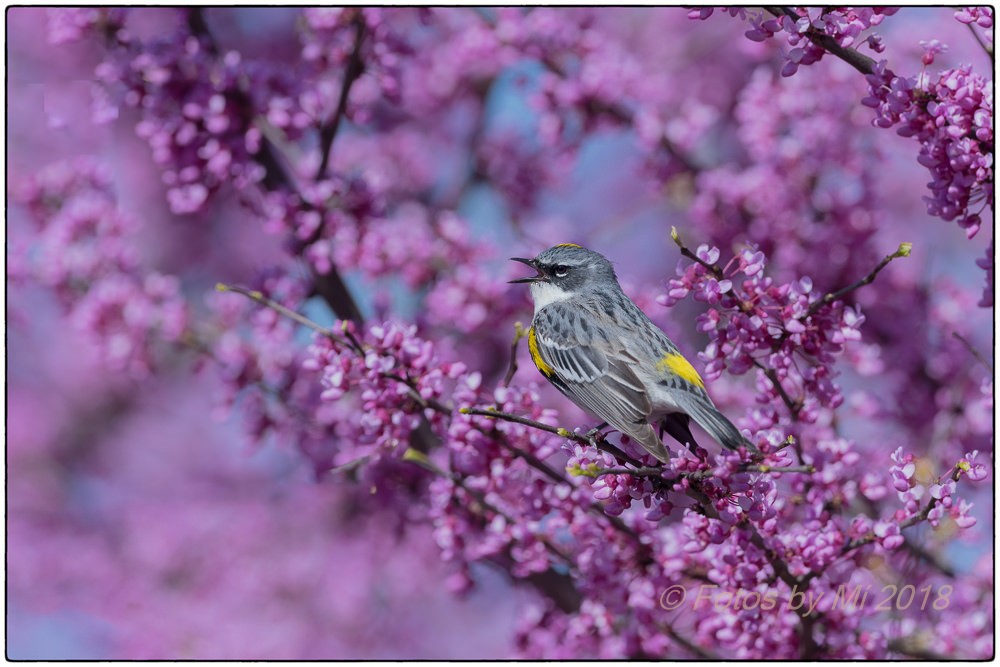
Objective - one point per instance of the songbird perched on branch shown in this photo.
(599, 349)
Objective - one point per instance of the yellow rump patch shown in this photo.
(540, 364)
(676, 363)
(567, 245)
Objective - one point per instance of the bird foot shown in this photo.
(596, 431)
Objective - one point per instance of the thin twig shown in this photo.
(533, 461)
(956, 474)
(808, 469)
(973, 351)
(349, 466)
(902, 251)
(355, 343)
(496, 414)
(713, 268)
(350, 341)
(258, 297)
(600, 444)
(635, 472)
(519, 333)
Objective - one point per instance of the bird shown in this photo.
(591, 341)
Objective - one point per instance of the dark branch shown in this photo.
(355, 68)
(330, 286)
(903, 251)
(858, 61)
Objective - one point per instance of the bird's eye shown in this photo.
(560, 270)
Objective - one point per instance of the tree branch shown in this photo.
(903, 251)
(259, 297)
(988, 366)
(329, 286)
(858, 61)
(355, 68)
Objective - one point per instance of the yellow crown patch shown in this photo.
(567, 245)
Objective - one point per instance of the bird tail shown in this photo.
(723, 431)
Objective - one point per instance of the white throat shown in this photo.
(543, 293)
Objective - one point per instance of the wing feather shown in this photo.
(602, 384)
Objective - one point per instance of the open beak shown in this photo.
(529, 279)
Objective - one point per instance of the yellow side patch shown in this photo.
(567, 245)
(536, 357)
(676, 363)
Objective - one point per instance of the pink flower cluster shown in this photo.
(951, 115)
(329, 41)
(495, 506)
(783, 329)
(393, 374)
(795, 172)
(940, 495)
(195, 112)
(83, 252)
(980, 16)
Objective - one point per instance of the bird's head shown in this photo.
(566, 270)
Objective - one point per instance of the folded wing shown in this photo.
(601, 383)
